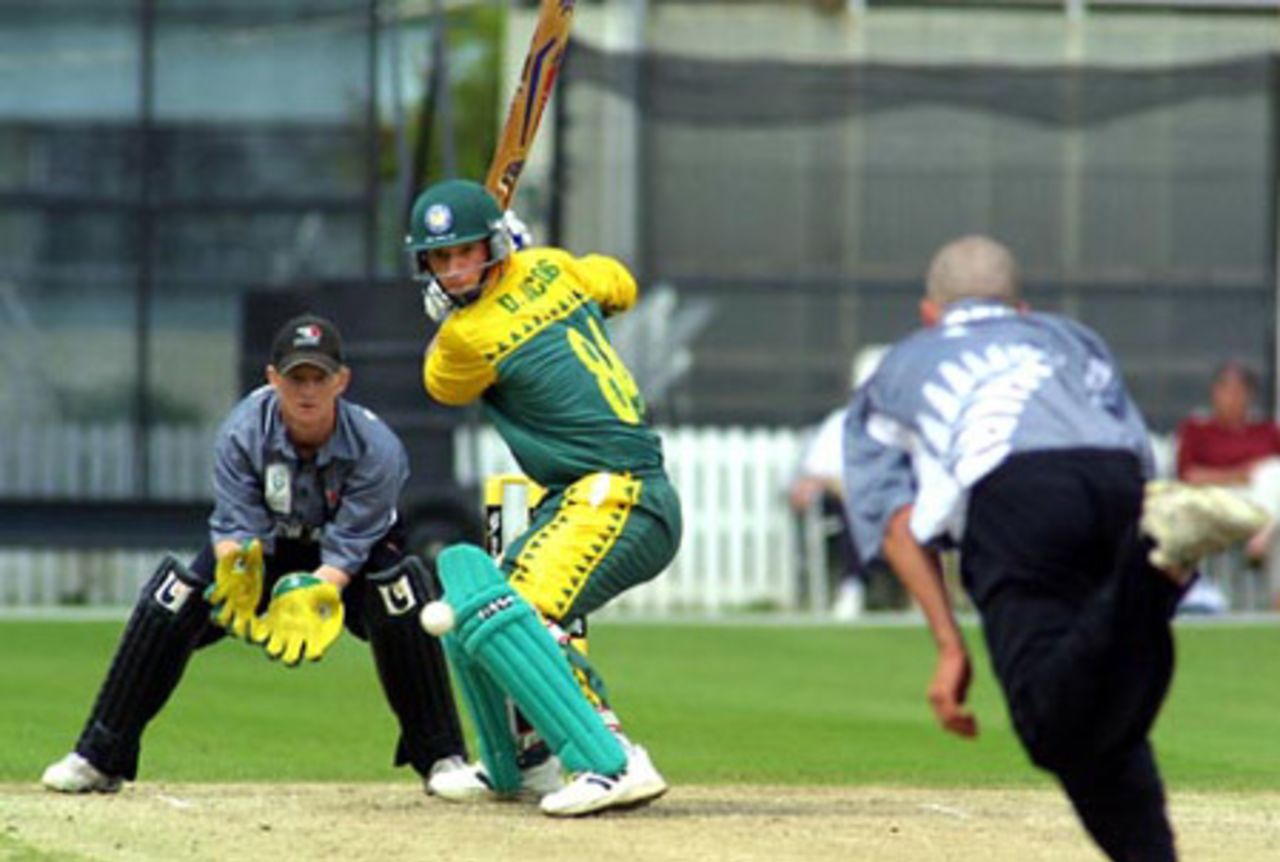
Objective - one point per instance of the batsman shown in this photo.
(525, 333)
(303, 537)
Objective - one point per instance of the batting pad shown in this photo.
(488, 707)
(502, 634)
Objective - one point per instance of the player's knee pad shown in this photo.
(168, 617)
(173, 590)
(396, 595)
(157, 641)
(411, 664)
(502, 634)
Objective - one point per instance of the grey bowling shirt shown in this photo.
(950, 403)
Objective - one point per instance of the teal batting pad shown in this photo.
(488, 707)
(502, 634)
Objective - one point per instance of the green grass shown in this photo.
(716, 704)
(14, 850)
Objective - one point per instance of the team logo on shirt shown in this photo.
(439, 219)
(975, 404)
(278, 489)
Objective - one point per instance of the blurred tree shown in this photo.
(472, 68)
(474, 43)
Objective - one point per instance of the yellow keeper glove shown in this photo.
(302, 621)
(237, 588)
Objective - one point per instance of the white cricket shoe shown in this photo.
(590, 792)
(74, 774)
(851, 601)
(1190, 522)
(470, 783)
(1205, 598)
(452, 763)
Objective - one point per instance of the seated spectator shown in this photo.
(814, 487)
(819, 482)
(1234, 446)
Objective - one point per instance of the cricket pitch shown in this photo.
(384, 822)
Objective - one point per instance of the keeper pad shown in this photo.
(501, 633)
(157, 642)
(410, 665)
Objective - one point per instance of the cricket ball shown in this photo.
(437, 618)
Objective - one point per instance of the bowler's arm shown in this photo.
(920, 572)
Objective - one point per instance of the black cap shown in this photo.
(307, 340)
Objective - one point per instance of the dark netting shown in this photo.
(805, 199)
(760, 92)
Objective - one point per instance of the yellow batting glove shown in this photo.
(302, 621)
(237, 588)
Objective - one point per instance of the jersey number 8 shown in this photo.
(599, 357)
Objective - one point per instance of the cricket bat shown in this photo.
(538, 76)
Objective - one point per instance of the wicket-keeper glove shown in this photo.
(237, 588)
(302, 621)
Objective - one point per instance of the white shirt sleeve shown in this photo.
(824, 456)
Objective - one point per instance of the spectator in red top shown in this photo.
(1233, 446)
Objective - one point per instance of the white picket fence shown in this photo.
(43, 577)
(92, 462)
(97, 461)
(741, 548)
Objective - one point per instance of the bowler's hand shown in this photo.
(949, 690)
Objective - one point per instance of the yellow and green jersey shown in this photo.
(534, 346)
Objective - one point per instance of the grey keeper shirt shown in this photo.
(344, 498)
(951, 402)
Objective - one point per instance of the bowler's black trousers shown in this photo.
(1077, 624)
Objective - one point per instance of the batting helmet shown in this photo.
(451, 213)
